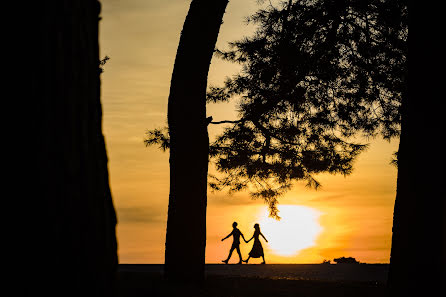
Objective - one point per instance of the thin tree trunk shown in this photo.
(73, 249)
(189, 142)
(418, 254)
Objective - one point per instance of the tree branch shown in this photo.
(228, 122)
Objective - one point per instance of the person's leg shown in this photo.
(263, 257)
(239, 255)
(229, 256)
(246, 261)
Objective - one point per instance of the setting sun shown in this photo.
(297, 229)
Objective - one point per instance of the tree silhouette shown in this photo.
(189, 142)
(70, 233)
(314, 74)
(418, 254)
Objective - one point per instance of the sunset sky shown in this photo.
(349, 216)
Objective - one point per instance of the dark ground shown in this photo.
(306, 280)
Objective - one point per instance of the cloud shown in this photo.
(223, 199)
(140, 215)
(324, 198)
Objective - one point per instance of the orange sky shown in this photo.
(349, 216)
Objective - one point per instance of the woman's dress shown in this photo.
(257, 249)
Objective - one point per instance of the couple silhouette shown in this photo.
(257, 249)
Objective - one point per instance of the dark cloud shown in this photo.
(140, 215)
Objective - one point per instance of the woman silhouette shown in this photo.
(257, 249)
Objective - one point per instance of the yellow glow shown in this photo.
(298, 229)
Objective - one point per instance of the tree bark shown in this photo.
(189, 142)
(418, 254)
(73, 250)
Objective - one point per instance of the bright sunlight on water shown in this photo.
(297, 229)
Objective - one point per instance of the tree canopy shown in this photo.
(314, 74)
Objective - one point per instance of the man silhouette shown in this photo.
(235, 244)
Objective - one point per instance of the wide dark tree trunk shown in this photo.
(189, 142)
(72, 249)
(418, 255)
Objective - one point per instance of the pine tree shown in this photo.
(314, 74)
